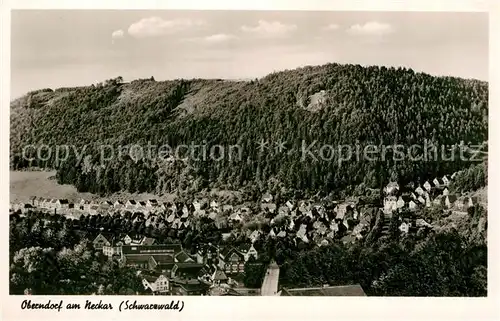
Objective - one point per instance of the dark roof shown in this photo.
(151, 249)
(163, 259)
(220, 276)
(229, 250)
(191, 269)
(244, 247)
(63, 201)
(344, 290)
(137, 259)
(132, 202)
(182, 256)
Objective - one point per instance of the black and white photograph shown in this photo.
(248, 153)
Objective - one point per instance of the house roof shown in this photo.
(148, 241)
(163, 259)
(344, 290)
(219, 275)
(151, 249)
(191, 269)
(137, 258)
(182, 256)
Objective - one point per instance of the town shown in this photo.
(202, 247)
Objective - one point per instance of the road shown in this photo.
(270, 283)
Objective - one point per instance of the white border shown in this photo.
(252, 308)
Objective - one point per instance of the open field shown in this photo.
(25, 184)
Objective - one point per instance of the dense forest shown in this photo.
(331, 104)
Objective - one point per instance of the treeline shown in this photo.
(360, 106)
(446, 263)
(471, 179)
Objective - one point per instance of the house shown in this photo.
(94, 209)
(391, 188)
(405, 227)
(446, 191)
(412, 205)
(290, 205)
(188, 287)
(248, 250)
(118, 204)
(403, 201)
(437, 182)
(283, 210)
(152, 203)
(190, 270)
(100, 241)
(235, 217)
(270, 207)
(219, 277)
(105, 206)
(149, 256)
(196, 205)
(422, 223)
(233, 260)
(272, 234)
(84, 205)
(420, 191)
(450, 200)
(446, 180)
(126, 239)
(254, 236)
(390, 203)
(158, 283)
(472, 201)
(62, 203)
(281, 234)
(214, 204)
(422, 199)
(341, 210)
(428, 186)
(267, 198)
(131, 204)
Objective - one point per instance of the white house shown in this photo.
(391, 188)
(404, 227)
(428, 186)
(419, 190)
(158, 284)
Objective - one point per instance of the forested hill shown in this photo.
(330, 104)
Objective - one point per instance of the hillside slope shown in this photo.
(358, 105)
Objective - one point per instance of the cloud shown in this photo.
(269, 29)
(332, 26)
(220, 37)
(155, 26)
(372, 28)
(117, 34)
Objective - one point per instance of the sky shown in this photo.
(63, 48)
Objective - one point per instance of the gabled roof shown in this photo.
(191, 269)
(219, 275)
(182, 257)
